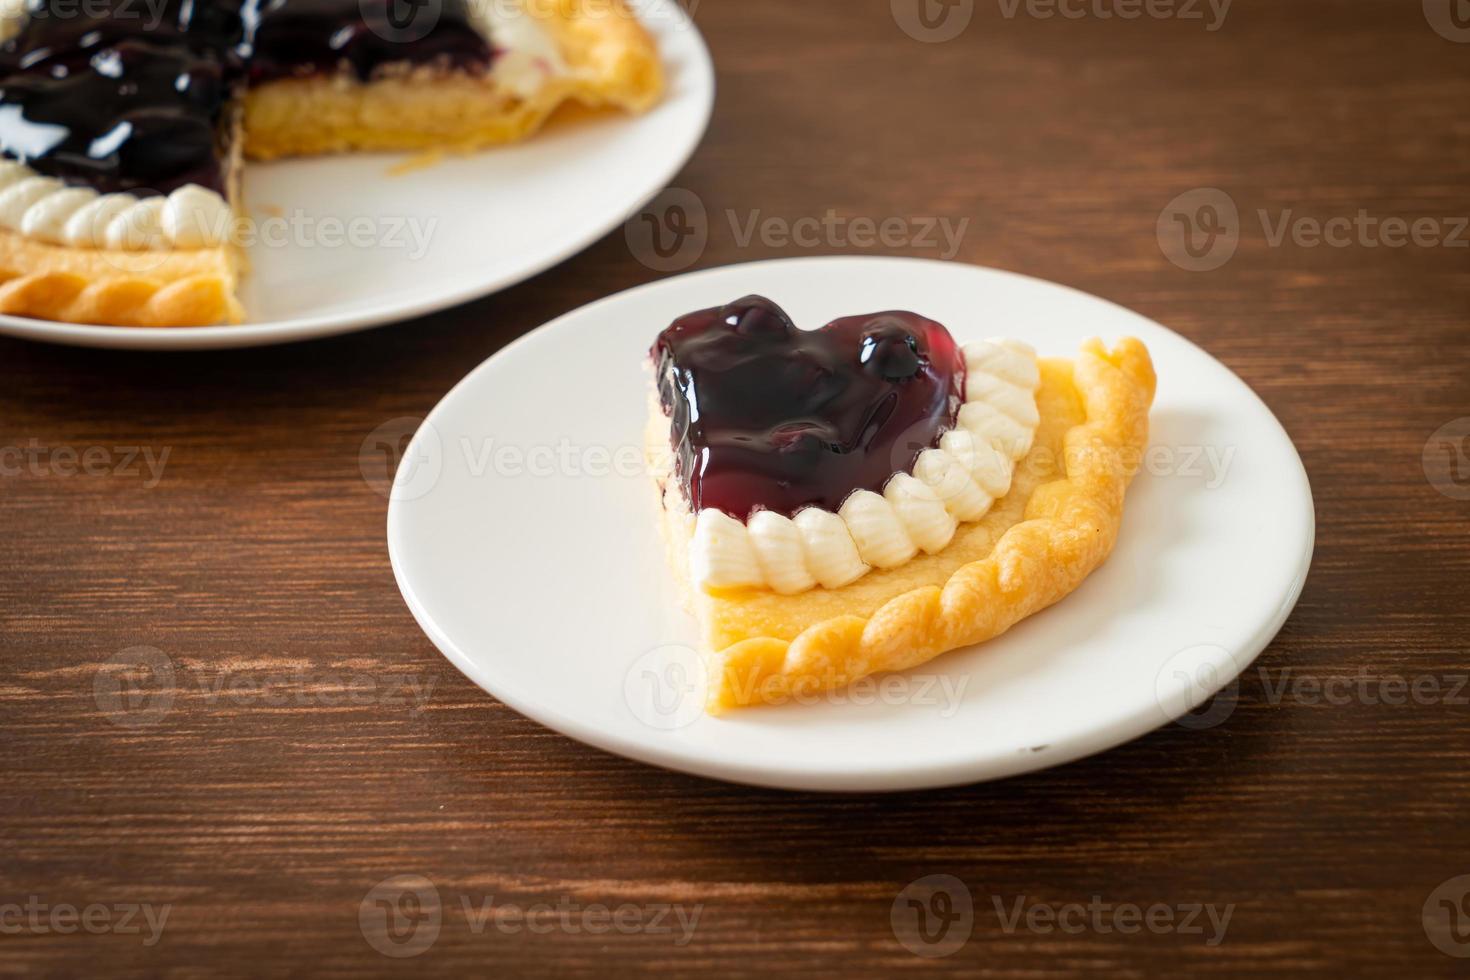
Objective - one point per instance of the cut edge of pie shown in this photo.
(1038, 544)
(611, 61)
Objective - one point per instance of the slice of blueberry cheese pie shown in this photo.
(123, 124)
(864, 497)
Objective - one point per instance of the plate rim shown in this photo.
(845, 779)
(314, 327)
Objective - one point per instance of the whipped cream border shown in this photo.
(955, 482)
(47, 210)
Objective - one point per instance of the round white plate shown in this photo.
(524, 538)
(345, 243)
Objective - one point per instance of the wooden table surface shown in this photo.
(311, 743)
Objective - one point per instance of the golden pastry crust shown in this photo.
(179, 288)
(611, 58)
(1037, 544)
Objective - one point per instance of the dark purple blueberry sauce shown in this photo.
(766, 416)
(119, 95)
(292, 38)
(128, 95)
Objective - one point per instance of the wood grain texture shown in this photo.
(264, 816)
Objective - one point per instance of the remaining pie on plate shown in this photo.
(864, 497)
(122, 123)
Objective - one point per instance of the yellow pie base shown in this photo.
(612, 60)
(180, 288)
(1037, 544)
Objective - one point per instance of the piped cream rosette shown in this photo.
(954, 482)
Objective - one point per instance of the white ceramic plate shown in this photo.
(443, 234)
(524, 539)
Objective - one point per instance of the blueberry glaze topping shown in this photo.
(119, 95)
(294, 38)
(123, 95)
(766, 416)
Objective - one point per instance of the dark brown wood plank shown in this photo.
(263, 818)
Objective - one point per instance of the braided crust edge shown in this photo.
(183, 288)
(1069, 528)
